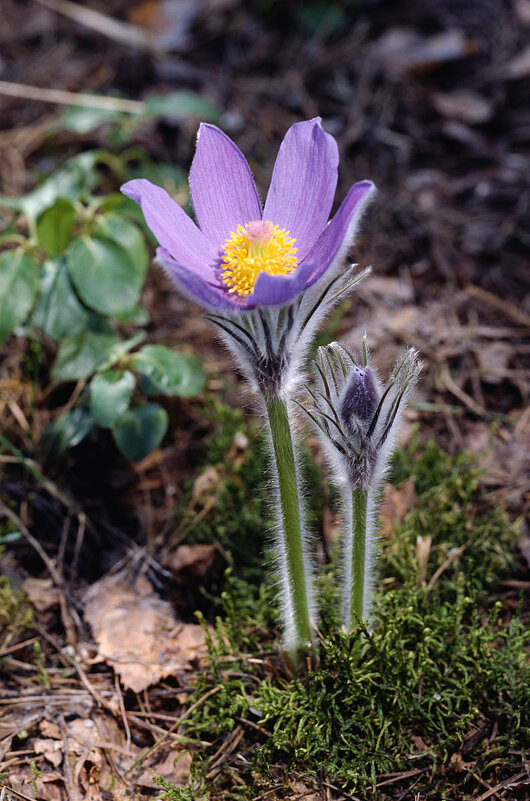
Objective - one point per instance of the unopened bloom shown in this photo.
(357, 415)
(358, 419)
(265, 276)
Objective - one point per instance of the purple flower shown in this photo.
(241, 257)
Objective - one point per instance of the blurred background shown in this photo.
(428, 100)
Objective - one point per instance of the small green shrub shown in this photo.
(74, 278)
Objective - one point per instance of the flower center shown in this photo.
(254, 248)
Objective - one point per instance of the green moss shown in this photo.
(240, 518)
(441, 679)
(451, 512)
(15, 614)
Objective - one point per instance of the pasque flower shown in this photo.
(240, 256)
(358, 419)
(283, 263)
(266, 278)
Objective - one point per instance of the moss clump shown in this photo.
(16, 616)
(239, 519)
(438, 689)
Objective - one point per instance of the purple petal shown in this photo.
(170, 224)
(197, 288)
(303, 183)
(333, 243)
(221, 184)
(275, 290)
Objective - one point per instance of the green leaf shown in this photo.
(81, 354)
(83, 120)
(17, 290)
(138, 431)
(126, 234)
(66, 431)
(59, 312)
(110, 395)
(106, 276)
(121, 349)
(55, 227)
(180, 106)
(76, 176)
(136, 316)
(169, 373)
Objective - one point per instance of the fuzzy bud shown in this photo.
(361, 397)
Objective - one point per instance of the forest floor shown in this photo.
(100, 556)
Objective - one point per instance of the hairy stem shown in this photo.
(357, 554)
(292, 551)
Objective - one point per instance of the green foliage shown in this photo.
(15, 614)
(240, 518)
(107, 275)
(442, 671)
(122, 126)
(76, 277)
(66, 431)
(55, 227)
(110, 395)
(168, 373)
(172, 793)
(17, 290)
(80, 355)
(450, 514)
(140, 430)
(59, 313)
(75, 178)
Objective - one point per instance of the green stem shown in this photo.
(293, 572)
(358, 555)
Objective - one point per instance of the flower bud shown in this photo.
(361, 397)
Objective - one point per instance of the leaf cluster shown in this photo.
(76, 278)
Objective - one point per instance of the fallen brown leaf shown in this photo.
(193, 559)
(137, 632)
(41, 592)
(51, 749)
(463, 105)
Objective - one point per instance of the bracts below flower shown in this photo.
(357, 417)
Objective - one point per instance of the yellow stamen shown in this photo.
(254, 248)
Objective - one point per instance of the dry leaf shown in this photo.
(208, 481)
(403, 50)
(331, 525)
(194, 559)
(237, 455)
(42, 593)
(49, 729)
(174, 767)
(137, 633)
(463, 105)
(423, 549)
(83, 738)
(419, 743)
(493, 359)
(392, 290)
(51, 749)
(519, 67)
